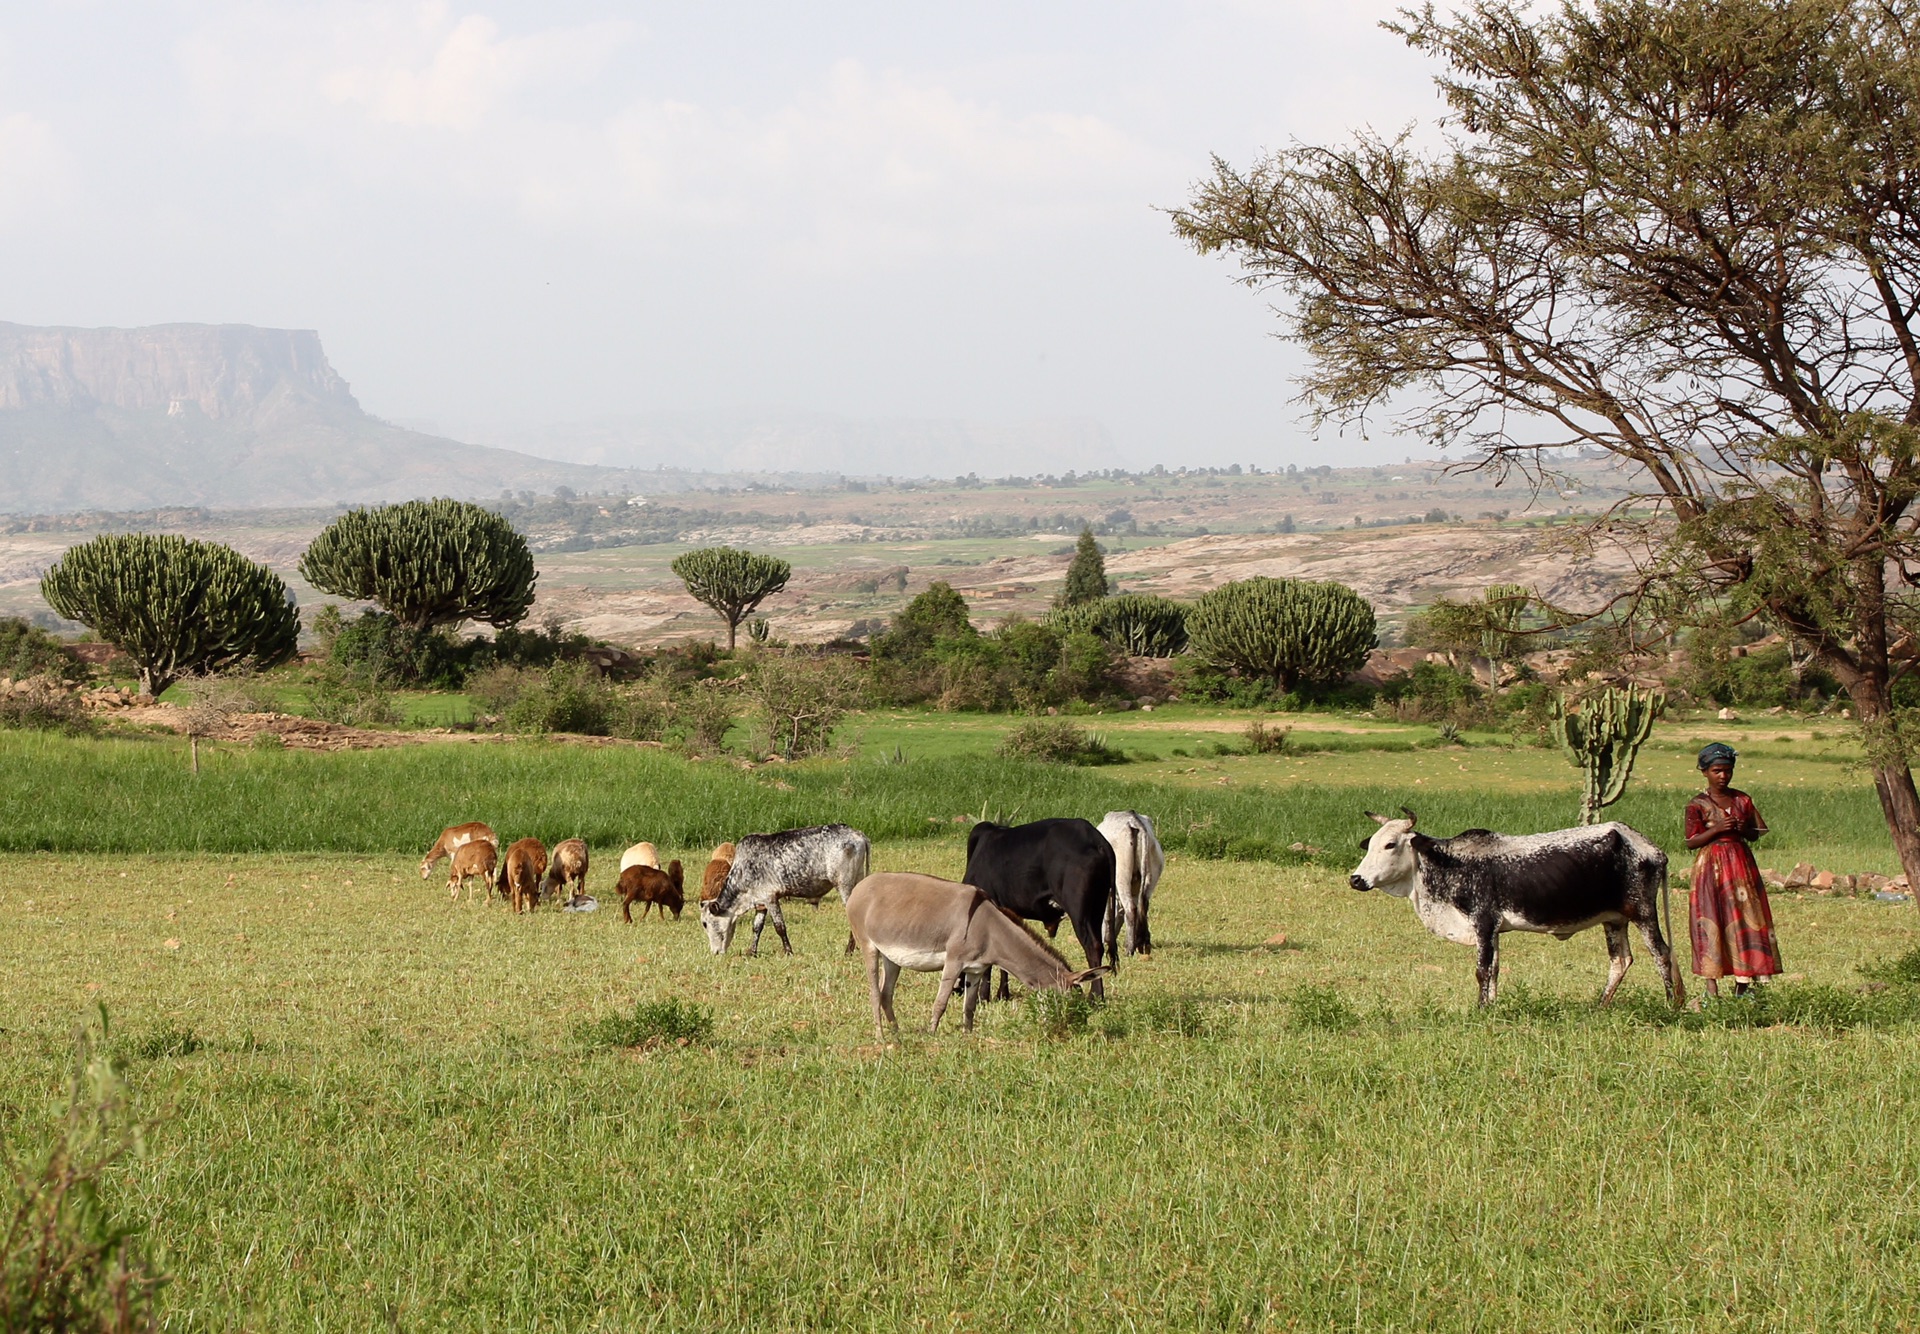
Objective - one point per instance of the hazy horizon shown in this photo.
(529, 224)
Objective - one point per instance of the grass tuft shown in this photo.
(661, 1023)
(1322, 1009)
(170, 1039)
(1057, 741)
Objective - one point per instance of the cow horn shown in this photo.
(1412, 819)
(1377, 819)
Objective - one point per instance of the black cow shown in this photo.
(1472, 887)
(1044, 871)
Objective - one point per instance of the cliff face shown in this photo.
(223, 416)
(223, 370)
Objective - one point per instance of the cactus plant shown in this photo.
(1140, 625)
(428, 562)
(175, 606)
(1291, 631)
(1603, 738)
(731, 581)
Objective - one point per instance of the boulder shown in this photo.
(1822, 882)
(1728, 716)
(1800, 876)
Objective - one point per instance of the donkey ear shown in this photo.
(1376, 818)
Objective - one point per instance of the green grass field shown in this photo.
(378, 1109)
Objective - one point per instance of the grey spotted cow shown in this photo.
(1475, 886)
(768, 868)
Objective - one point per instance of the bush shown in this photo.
(703, 713)
(570, 697)
(1140, 625)
(27, 650)
(335, 697)
(1287, 631)
(45, 708)
(651, 1024)
(380, 649)
(66, 1263)
(801, 700)
(1264, 740)
(1057, 741)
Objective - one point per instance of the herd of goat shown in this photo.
(1099, 879)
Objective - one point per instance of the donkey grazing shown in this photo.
(470, 860)
(519, 877)
(453, 837)
(925, 924)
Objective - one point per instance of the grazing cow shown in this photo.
(1476, 885)
(519, 876)
(929, 925)
(567, 869)
(452, 837)
(767, 868)
(648, 885)
(716, 876)
(1045, 871)
(640, 854)
(470, 860)
(1138, 865)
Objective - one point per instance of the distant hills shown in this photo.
(230, 416)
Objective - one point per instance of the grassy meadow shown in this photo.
(374, 1108)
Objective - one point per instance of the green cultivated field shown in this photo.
(376, 1109)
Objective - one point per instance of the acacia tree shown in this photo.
(176, 607)
(427, 562)
(1686, 232)
(731, 581)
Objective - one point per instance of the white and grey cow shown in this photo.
(1138, 866)
(768, 868)
(1477, 885)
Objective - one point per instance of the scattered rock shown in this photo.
(1800, 876)
(1822, 882)
(1277, 938)
(1728, 716)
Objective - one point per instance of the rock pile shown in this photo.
(1811, 880)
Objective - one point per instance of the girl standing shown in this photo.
(1732, 922)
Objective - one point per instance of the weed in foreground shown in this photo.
(65, 1262)
(652, 1023)
(170, 1039)
(1322, 1009)
(1902, 970)
(1059, 1014)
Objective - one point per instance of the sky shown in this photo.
(506, 216)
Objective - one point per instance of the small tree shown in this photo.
(802, 699)
(427, 562)
(1290, 631)
(1486, 627)
(732, 582)
(175, 606)
(937, 614)
(1087, 575)
(1604, 738)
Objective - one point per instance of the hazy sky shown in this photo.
(503, 215)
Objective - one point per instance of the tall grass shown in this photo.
(135, 795)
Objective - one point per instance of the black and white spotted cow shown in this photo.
(767, 868)
(1476, 885)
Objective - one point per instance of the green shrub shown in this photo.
(66, 1262)
(670, 1022)
(568, 697)
(801, 698)
(1057, 741)
(1059, 1014)
(352, 701)
(1140, 625)
(27, 650)
(1285, 630)
(45, 709)
(1265, 740)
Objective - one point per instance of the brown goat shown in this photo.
(453, 837)
(477, 858)
(518, 879)
(648, 885)
(568, 868)
(717, 869)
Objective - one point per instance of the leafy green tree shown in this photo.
(1489, 626)
(427, 562)
(1680, 232)
(935, 615)
(176, 607)
(27, 650)
(1290, 631)
(1087, 574)
(731, 581)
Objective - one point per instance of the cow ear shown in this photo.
(1366, 844)
(1376, 818)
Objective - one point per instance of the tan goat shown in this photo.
(925, 924)
(640, 854)
(518, 879)
(470, 860)
(648, 885)
(716, 877)
(452, 837)
(568, 868)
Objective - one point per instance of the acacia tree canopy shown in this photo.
(1681, 231)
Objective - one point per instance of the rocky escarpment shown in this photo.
(223, 416)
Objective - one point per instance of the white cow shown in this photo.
(1138, 865)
